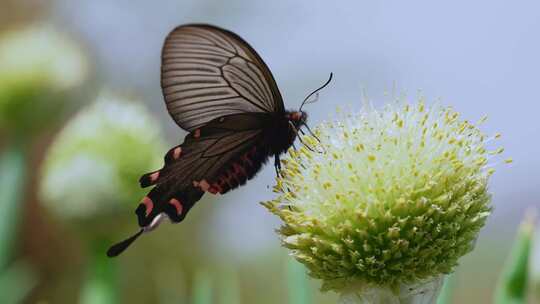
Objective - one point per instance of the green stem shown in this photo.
(100, 283)
(16, 282)
(12, 182)
(447, 290)
(299, 291)
(512, 286)
(202, 288)
(229, 287)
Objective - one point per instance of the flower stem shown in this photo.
(421, 293)
(299, 291)
(100, 284)
(202, 288)
(447, 290)
(12, 181)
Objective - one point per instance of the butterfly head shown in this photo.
(298, 118)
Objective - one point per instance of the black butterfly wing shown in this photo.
(208, 72)
(217, 157)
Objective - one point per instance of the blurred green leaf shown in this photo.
(512, 286)
(298, 284)
(535, 266)
(202, 288)
(445, 297)
(16, 282)
(12, 179)
(229, 287)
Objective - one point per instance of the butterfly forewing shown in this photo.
(208, 72)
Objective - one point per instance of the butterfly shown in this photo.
(217, 88)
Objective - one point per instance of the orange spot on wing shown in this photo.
(149, 204)
(177, 152)
(197, 133)
(154, 176)
(177, 204)
(204, 185)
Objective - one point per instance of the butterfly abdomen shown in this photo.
(237, 173)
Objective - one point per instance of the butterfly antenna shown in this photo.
(316, 91)
(119, 247)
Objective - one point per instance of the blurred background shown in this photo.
(82, 117)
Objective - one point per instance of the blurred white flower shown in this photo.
(94, 164)
(41, 53)
(38, 66)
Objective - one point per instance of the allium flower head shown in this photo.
(93, 165)
(397, 198)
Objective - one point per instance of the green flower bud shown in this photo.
(93, 166)
(38, 67)
(398, 196)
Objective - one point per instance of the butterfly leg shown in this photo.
(277, 165)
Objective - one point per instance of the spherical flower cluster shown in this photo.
(398, 196)
(38, 66)
(95, 162)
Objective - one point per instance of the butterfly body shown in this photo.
(218, 89)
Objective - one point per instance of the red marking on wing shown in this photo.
(236, 174)
(149, 204)
(239, 169)
(177, 204)
(197, 133)
(215, 188)
(245, 159)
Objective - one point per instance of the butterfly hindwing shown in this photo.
(215, 158)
